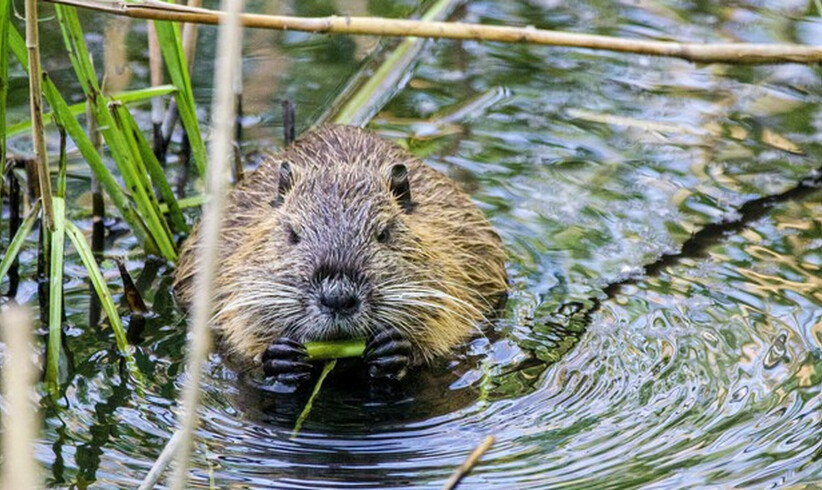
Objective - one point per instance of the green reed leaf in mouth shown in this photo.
(335, 349)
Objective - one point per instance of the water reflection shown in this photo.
(700, 370)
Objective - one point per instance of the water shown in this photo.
(703, 372)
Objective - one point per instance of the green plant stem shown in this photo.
(171, 45)
(100, 286)
(186, 202)
(57, 243)
(310, 403)
(127, 162)
(320, 351)
(5, 15)
(80, 108)
(19, 239)
(152, 166)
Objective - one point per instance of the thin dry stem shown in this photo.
(36, 105)
(229, 45)
(469, 463)
(155, 65)
(190, 36)
(19, 375)
(742, 53)
(162, 462)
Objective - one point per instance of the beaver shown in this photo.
(344, 235)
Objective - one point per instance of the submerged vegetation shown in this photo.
(129, 175)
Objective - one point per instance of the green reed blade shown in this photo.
(126, 160)
(122, 120)
(78, 135)
(5, 14)
(310, 403)
(137, 179)
(186, 202)
(171, 45)
(155, 171)
(77, 50)
(76, 132)
(19, 239)
(55, 294)
(17, 45)
(80, 108)
(100, 286)
(137, 182)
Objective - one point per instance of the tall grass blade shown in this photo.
(5, 14)
(152, 165)
(100, 286)
(141, 177)
(75, 110)
(17, 46)
(56, 295)
(19, 239)
(171, 44)
(136, 181)
(310, 403)
(61, 110)
(95, 161)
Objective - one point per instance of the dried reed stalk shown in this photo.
(739, 53)
(36, 105)
(229, 51)
(19, 375)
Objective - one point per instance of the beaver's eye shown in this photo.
(384, 235)
(293, 236)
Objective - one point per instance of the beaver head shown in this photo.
(346, 261)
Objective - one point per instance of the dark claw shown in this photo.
(274, 367)
(284, 351)
(388, 355)
(286, 360)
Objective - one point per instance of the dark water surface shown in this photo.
(705, 371)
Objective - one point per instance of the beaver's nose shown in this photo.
(340, 301)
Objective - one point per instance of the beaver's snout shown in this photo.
(339, 292)
(338, 296)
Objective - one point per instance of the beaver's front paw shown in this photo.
(286, 361)
(388, 355)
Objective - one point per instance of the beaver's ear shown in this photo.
(286, 180)
(400, 186)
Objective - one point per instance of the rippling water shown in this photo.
(701, 370)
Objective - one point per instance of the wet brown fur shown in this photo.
(341, 175)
